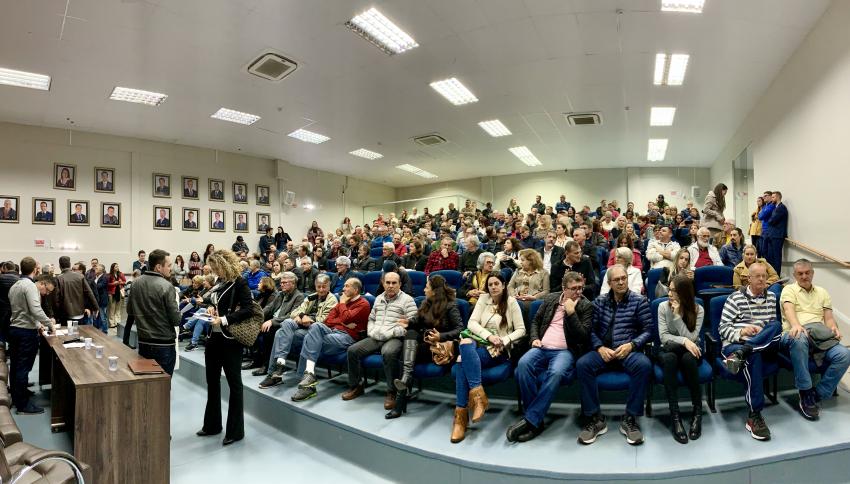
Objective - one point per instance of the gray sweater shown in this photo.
(672, 328)
(26, 305)
(153, 303)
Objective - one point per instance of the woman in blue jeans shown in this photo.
(495, 325)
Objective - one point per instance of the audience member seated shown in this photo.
(253, 278)
(198, 323)
(494, 327)
(342, 274)
(749, 328)
(267, 242)
(307, 275)
(702, 252)
(405, 281)
(443, 259)
(622, 325)
(415, 259)
(530, 281)
(550, 252)
(661, 251)
(526, 239)
(509, 256)
(740, 273)
(363, 262)
(559, 334)
(437, 321)
(469, 258)
(809, 328)
(624, 259)
(239, 247)
(313, 309)
(475, 283)
(562, 234)
(275, 312)
(320, 260)
(340, 329)
(314, 231)
(385, 330)
(574, 261)
(679, 324)
(627, 241)
(732, 253)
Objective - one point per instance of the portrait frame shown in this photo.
(58, 184)
(104, 207)
(169, 218)
(37, 219)
(159, 191)
(184, 218)
(260, 216)
(84, 211)
(247, 228)
(15, 206)
(100, 187)
(223, 213)
(185, 192)
(266, 201)
(244, 187)
(212, 196)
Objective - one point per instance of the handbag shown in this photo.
(246, 332)
(466, 333)
(443, 353)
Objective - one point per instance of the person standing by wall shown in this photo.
(774, 235)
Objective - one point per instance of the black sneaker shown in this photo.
(190, 347)
(808, 405)
(308, 381)
(630, 428)
(756, 426)
(184, 335)
(260, 371)
(305, 393)
(30, 409)
(594, 427)
(530, 432)
(734, 362)
(279, 370)
(516, 429)
(271, 381)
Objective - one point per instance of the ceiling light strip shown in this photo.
(657, 150)
(525, 155)
(373, 26)
(368, 154)
(308, 136)
(30, 80)
(416, 171)
(495, 128)
(137, 96)
(233, 116)
(454, 91)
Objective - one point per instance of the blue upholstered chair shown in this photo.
(652, 278)
(371, 280)
(453, 278)
(418, 279)
(376, 251)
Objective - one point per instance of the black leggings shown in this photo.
(675, 358)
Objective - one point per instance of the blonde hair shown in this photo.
(225, 264)
(198, 280)
(533, 256)
(626, 254)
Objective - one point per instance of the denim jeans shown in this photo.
(165, 355)
(102, 321)
(539, 376)
(836, 359)
(23, 348)
(197, 326)
(766, 341)
(636, 365)
(322, 341)
(473, 359)
(290, 333)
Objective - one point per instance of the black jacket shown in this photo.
(557, 254)
(449, 326)
(576, 326)
(584, 267)
(6, 282)
(469, 261)
(234, 301)
(414, 262)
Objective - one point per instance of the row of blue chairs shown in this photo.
(371, 280)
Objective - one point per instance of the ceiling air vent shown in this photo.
(429, 140)
(583, 119)
(272, 67)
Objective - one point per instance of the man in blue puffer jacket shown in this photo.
(622, 325)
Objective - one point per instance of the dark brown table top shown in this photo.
(86, 370)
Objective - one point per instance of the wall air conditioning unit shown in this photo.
(584, 119)
(432, 139)
(272, 66)
(696, 193)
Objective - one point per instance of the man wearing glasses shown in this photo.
(560, 333)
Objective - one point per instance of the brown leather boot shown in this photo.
(353, 393)
(389, 400)
(459, 425)
(478, 403)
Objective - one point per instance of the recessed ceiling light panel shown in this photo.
(137, 96)
(495, 128)
(670, 69)
(657, 150)
(373, 26)
(308, 136)
(368, 154)
(238, 117)
(662, 116)
(416, 171)
(525, 155)
(687, 6)
(454, 91)
(31, 80)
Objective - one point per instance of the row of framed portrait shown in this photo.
(65, 178)
(79, 214)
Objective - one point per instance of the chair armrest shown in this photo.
(712, 348)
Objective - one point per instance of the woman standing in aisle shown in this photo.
(713, 207)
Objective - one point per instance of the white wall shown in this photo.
(27, 155)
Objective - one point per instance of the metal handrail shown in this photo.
(818, 253)
(78, 473)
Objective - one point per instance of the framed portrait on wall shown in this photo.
(110, 214)
(161, 185)
(240, 192)
(104, 180)
(263, 222)
(190, 187)
(161, 217)
(216, 190)
(64, 176)
(216, 220)
(9, 209)
(44, 211)
(263, 195)
(78, 212)
(240, 221)
(190, 219)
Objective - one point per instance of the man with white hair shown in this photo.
(469, 258)
(662, 249)
(343, 273)
(307, 274)
(275, 313)
(387, 253)
(702, 252)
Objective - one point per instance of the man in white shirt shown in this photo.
(550, 252)
(662, 250)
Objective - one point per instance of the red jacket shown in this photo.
(356, 311)
(115, 283)
(436, 262)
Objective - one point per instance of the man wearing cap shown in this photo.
(808, 321)
(239, 245)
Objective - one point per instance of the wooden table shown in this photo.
(121, 421)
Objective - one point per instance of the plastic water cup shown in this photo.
(113, 363)
(98, 351)
(87, 341)
(70, 328)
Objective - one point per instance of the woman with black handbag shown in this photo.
(232, 305)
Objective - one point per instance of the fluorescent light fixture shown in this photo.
(373, 26)
(416, 171)
(494, 128)
(670, 69)
(309, 206)
(687, 6)
(659, 116)
(238, 117)
(137, 96)
(454, 91)
(364, 153)
(308, 136)
(657, 149)
(525, 155)
(11, 77)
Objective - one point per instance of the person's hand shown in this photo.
(836, 332)
(690, 274)
(306, 321)
(536, 343)
(351, 325)
(751, 330)
(692, 348)
(211, 311)
(87, 312)
(432, 337)
(216, 321)
(266, 326)
(623, 351)
(466, 274)
(403, 322)
(570, 307)
(674, 305)
(344, 298)
(494, 340)
(606, 353)
(444, 253)
(795, 331)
